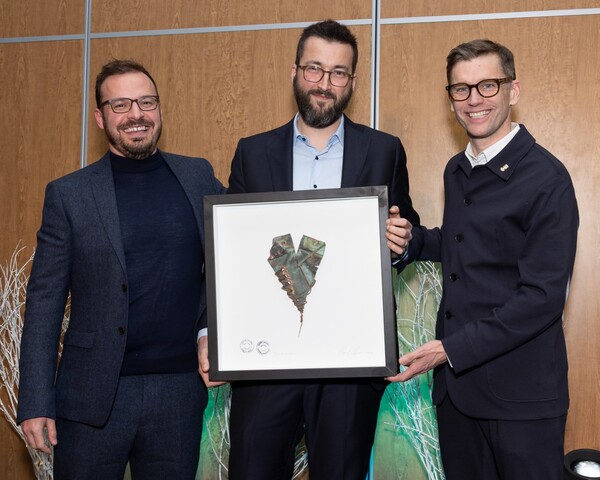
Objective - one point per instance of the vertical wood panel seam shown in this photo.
(85, 87)
(375, 44)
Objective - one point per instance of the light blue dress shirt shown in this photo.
(314, 169)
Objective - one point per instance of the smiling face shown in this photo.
(321, 104)
(486, 120)
(133, 134)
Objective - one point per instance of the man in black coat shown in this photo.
(507, 247)
(319, 148)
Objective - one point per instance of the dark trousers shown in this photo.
(155, 425)
(337, 418)
(476, 449)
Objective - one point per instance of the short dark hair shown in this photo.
(119, 67)
(477, 48)
(331, 31)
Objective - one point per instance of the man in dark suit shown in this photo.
(123, 237)
(507, 247)
(319, 148)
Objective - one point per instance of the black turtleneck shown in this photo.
(164, 260)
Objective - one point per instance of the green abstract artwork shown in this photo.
(406, 442)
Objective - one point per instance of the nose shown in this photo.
(136, 111)
(324, 83)
(475, 96)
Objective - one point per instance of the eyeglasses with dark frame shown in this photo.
(123, 105)
(314, 74)
(459, 92)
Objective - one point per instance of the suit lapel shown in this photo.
(194, 195)
(280, 157)
(356, 146)
(103, 188)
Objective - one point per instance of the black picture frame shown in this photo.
(254, 329)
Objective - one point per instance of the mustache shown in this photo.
(324, 93)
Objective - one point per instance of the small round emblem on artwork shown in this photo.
(263, 347)
(246, 346)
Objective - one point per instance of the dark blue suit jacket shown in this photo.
(264, 163)
(507, 247)
(80, 252)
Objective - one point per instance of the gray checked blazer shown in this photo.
(80, 252)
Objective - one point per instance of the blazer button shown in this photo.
(121, 330)
(448, 314)
(468, 201)
(459, 237)
(124, 287)
(453, 277)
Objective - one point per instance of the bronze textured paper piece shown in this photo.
(296, 271)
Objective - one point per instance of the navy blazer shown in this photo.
(264, 163)
(507, 247)
(80, 252)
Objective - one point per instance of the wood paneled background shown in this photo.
(223, 72)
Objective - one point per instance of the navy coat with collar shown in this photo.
(264, 163)
(80, 252)
(507, 247)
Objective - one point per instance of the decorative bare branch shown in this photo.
(13, 285)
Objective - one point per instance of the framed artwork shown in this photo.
(299, 285)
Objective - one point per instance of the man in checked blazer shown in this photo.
(123, 237)
(319, 148)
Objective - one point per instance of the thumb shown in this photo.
(204, 364)
(394, 211)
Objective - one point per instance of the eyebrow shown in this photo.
(320, 64)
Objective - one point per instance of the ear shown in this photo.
(99, 119)
(354, 82)
(451, 106)
(294, 72)
(515, 92)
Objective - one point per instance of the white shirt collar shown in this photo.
(493, 150)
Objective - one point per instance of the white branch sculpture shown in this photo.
(13, 284)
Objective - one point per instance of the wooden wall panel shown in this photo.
(416, 8)
(15, 462)
(40, 121)
(27, 18)
(217, 88)
(559, 105)
(157, 14)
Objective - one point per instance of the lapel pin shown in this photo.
(504, 168)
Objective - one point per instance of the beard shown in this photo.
(320, 117)
(137, 148)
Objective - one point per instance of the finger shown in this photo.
(209, 383)
(401, 377)
(406, 359)
(51, 432)
(29, 439)
(394, 211)
(39, 442)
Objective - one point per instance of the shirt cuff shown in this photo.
(202, 333)
(397, 260)
(449, 362)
